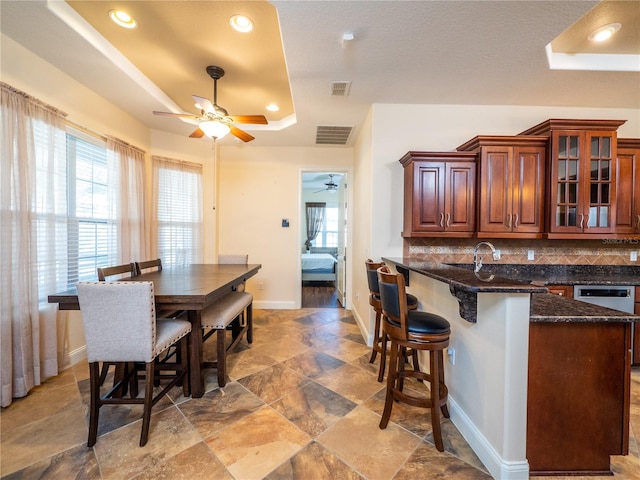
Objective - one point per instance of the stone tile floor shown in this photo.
(302, 402)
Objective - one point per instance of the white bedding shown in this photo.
(317, 261)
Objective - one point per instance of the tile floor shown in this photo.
(302, 403)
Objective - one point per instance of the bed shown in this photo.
(319, 265)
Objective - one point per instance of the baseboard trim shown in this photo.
(499, 468)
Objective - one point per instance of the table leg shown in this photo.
(196, 378)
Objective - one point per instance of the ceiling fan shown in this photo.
(331, 185)
(215, 121)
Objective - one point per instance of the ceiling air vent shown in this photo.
(340, 89)
(332, 135)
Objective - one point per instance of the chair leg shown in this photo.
(444, 408)
(434, 376)
(391, 382)
(250, 323)
(94, 406)
(377, 340)
(148, 402)
(104, 372)
(383, 356)
(222, 356)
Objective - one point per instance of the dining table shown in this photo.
(190, 288)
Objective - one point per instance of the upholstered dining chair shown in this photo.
(120, 325)
(104, 273)
(232, 312)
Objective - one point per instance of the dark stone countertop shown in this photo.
(546, 307)
(465, 284)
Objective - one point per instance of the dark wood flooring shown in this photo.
(319, 295)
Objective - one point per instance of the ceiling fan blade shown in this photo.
(197, 133)
(205, 104)
(254, 119)
(241, 134)
(323, 190)
(171, 114)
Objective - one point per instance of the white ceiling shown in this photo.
(403, 52)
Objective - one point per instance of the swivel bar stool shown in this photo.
(418, 331)
(380, 338)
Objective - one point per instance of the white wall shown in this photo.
(258, 187)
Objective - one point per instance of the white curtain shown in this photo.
(125, 167)
(176, 223)
(32, 224)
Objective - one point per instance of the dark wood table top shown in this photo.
(187, 287)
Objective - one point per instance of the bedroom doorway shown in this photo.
(323, 258)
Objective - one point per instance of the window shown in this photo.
(88, 231)
(328, 236)
(177, 209)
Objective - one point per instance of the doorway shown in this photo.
(327, 191)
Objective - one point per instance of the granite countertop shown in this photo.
(465, 284)
(546, 307)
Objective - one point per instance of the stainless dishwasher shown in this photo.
(611, 296)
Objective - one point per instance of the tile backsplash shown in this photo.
(556, 252)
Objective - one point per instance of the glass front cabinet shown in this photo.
(582, 181)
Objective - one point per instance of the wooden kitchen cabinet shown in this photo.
(581, 193)
(439, 194)
(561, 290)
(635, 352)
(511, 173)
(628, 187)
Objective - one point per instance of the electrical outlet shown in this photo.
(496, 255)
(531, 255)
(451, 352)
(634, 256)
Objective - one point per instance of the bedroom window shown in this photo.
(328, 236)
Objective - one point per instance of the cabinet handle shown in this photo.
(508, 220)
(581, 220)
(587, 217)
(441, 219)
(515, 222)
(448, 218)
(638, 221)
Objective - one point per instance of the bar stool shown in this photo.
(380, 338)
(418, 331)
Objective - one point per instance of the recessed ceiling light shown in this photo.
(123, 19)
(272, 107)
(604, 33)
(241, 23)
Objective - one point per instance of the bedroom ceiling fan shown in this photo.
(331, 185)
(215, 121)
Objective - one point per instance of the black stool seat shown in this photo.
(425, 322)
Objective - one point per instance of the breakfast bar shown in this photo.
(538, 384)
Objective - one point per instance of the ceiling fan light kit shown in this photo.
(214, 129)
(215, 121)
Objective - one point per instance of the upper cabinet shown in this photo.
(628, 186)
(511, 185)
(581, 196)
(439, 194)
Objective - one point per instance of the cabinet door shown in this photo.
(528, 190)
(428, 197)
(628, 191)
(582, 182)
(459, 211)
(495, 209)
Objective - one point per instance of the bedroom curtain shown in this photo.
(33, 226)
(315, 220)
(126, 178)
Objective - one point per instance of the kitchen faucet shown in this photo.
(477, 260)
